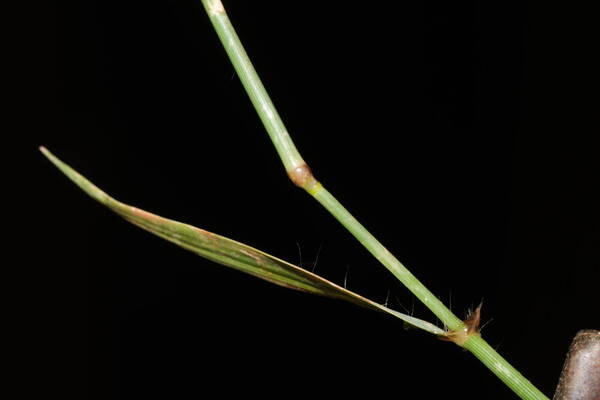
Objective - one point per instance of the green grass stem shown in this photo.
(258, 95)
(292, 161)
(386, 258)
(300, 174)
(502, 368)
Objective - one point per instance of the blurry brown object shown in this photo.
(580, 377)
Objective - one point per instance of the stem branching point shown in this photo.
(470, 329)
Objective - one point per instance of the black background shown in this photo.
(459, 134)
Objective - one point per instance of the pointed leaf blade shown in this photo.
(230, 253)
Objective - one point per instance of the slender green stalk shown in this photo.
(386, 258)
(301, 175)
(299, 171)
(262, 102)
(502, 368)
